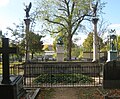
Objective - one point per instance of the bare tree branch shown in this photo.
(54, 31)
(73, 5)
(61, 17)
(56, 23)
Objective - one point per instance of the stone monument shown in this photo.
(111, 78)
(27, 23)
(11, 86)
(112, 53)
(60, 50)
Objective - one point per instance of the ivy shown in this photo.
(62, 78)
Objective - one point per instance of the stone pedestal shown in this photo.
(60, 53)
(14, 90)
(112, 55)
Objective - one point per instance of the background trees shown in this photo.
(36, 45)
(19, 39)
(63, 17)
(88, 43)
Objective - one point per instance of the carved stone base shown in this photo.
(112, 55)
(60, 53)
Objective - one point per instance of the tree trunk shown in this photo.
(69, 46)
(32, 55)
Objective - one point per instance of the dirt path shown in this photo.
(65, 93)
(77, 93)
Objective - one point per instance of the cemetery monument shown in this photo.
(11, 86)
(60, 50)
(111, 78)
(27, 23)
(95, 39)
(112, 53)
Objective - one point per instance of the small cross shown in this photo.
(6, 50)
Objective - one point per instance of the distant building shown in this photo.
(48, 52)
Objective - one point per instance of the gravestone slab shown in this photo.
(111, 76)
(14, 90)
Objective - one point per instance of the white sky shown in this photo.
(12, 11)
(4, 2)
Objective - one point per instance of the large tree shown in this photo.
(65, 14)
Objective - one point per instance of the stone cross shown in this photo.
(6, 50)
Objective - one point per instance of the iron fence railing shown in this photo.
(15, 69)
(58, 74)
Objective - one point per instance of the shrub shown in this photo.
(62, 78)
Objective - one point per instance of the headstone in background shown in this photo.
(60, 49)
(112, 53)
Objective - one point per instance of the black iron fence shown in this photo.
(59, 74)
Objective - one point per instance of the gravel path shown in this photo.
(66, 93)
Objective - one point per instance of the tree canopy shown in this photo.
(36, 45)
(88, 43)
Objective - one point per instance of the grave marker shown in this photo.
(6, 50)
(11, 86)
